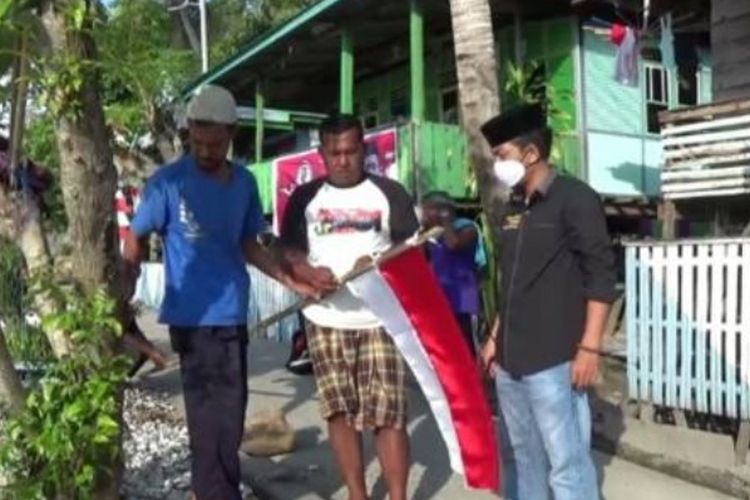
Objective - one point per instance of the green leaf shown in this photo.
(106, 423)
(5, 6)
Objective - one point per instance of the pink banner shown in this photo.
(297, 169)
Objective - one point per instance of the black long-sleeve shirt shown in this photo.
(555, 256)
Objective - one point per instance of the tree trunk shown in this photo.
(32, 241)
(477, 68)
(11, 390)
(22, 210)
(87, 172)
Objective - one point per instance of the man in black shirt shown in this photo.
(558, 281)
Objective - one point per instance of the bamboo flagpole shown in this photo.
(395, 251)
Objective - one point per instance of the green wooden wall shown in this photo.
(551, 42)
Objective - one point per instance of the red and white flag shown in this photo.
(405, 294)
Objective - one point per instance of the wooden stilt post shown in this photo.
(668, 216)
(743, 443)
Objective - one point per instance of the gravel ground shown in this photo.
(157, 459)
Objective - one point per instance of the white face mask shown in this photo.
(509, 172)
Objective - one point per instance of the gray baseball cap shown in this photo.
(213, 104)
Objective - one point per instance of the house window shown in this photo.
(688, 88)
(657, 96)
(370, 115)
(399, 104)
(449, 110)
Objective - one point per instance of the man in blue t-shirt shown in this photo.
(208, 213)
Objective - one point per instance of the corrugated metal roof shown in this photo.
(259, 45)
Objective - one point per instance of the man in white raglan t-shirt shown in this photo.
(330, 226)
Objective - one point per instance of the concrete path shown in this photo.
(309, 473)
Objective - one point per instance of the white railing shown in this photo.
(266, 298)
(706, 151)
(688, 325)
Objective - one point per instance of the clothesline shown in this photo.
(603, 28)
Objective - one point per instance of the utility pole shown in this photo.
(201, 4)
(204, 35)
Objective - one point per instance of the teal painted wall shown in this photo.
(623, 158)
(610, 106)
(615, 122)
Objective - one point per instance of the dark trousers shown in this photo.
(213, 362)
(466, 322)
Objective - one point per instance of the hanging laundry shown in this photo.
(617, 33)
(666, 45)
(626, 65)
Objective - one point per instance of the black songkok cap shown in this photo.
(514, 123)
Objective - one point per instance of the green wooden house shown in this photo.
(391, 61)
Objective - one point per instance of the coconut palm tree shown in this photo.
(477, 67)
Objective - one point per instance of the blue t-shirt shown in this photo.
(203, 224)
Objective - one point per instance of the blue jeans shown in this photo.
(546, 448)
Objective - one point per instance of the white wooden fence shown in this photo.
(266, 298)
(688, 325)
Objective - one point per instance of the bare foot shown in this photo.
(159, 359)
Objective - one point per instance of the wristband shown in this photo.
(590, 350)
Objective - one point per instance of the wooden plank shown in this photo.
(704, 138)
(732, 336)
(701, 392)
(687, 326)
(668, 216)
(672, 295)
(733, 91)
(695, 241)
(679, 419)
(745, 336)
(727, 148)
(729, 34)
(743, 443)
(657, 335)
(724, 10)
(706, 193)
(693, 186)
(614, 317)
(721, 325)
(733, 58)
(734, 74)
(647, 412)
(702, 127)
(699, 185)
(644, 326)
(632, 326)
(705, 112)
(715, 335)
(704, 173)
(715, 161)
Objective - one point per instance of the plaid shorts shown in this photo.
(359, 374)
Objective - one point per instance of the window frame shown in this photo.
(649, 67)
(443, 92)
